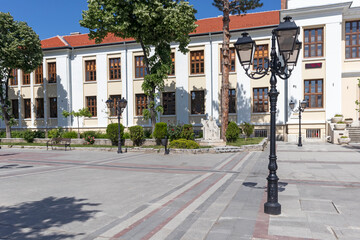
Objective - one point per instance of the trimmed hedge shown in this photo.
(232, 132)
(184, 144)
(71, 134)
(187, 132)
(160, 131)
(112, 132)
(137, 135)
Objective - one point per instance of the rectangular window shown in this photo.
(14, 77)
(197, 62)
(169, 103)
(232, 101)
(27, 108)
(39, 75)
(141, 104)
(313, 93)
(232, 58)
(39, 107)
(140, 68)
(52, 72)
(172, 71)
(197, 102)
(90, 70)
(15, 108)
(260, 100)
(115, 98)
(53, 107)
(352, 39)
(114, 68)
(91, 105)
(26, 78)
(261, 57)
(313, 42)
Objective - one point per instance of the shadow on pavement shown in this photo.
(34, 220)
(281, 186)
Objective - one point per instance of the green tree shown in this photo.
(152, 23)
(229, 7)
(81, 113)
(20, 48)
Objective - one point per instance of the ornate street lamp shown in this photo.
(286, 35)
(299, 109)
(120, 106)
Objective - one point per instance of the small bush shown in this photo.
(147, 133)
(184, 144)
(88, 133)
(340, 122)
(160, 131)
(338, 115)
(187, 132)
(232, 132)
(39, 134)
(174, 131)
(55, 133)
(126, 135)
(247, 129)
(112, 132)
(71, 134)
(29, 136)
(2, 134)
(101, 135)
(17, 134)
(137, 135)
(89, 140)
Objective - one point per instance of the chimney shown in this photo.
(283, 4)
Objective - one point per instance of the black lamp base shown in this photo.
(272, 208)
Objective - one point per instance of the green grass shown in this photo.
(249, 141)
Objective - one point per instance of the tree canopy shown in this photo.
(153, 24)
(20, 48)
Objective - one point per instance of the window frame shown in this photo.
(232, 57)
(256, 105)
(113, 112)
(197, 66)
(140, 67)
(90, 70)
(232, 98)
(309, 43)
(193, 107)
(14, 80)
(91, 104)
(351, 46)
(263, 57)
(53, 107)
(39, 108)
(139, 108)
(116, 69)
(168, 101)
(308, 106)
(15, 108)
(52, 77)
(172, 71)
(25, 78)
(39, 75)
(27, 108)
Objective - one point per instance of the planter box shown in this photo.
(344, 140)
(13, 140)
(336, 119)
(340, 126)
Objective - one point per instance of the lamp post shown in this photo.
(299, 109)
(289, 47)
(120, 106)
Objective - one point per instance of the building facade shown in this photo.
(78, 73)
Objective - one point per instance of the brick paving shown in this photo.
(102, 195)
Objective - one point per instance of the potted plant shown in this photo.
(344, 140)
(340, 125)
(337, 118)
(348, 121)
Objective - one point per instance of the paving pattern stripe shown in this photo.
(141, 215)
(261, 230)
(160, 166)
(322, 183)
(320, 162)
(317, 151)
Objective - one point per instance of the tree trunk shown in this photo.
(78, 133)
(6, 121)
(152, 113)
(225, 70)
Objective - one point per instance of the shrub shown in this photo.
(88, 133)
(174, 131)
(184, 144)
(101, 135)
(89, 140)
(232, 132)
(137, 135)
(29, 136)
(344, 137)
(247, 129)
(2, 134)
(17, 134)
(160, 131)
(340, 122)
(187, 132)
(55, 133)
(39, 134)
(70, 134)
(126, 135)
(338, 115)
(147, 133)
(112, 132)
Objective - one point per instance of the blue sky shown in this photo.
(61, 17)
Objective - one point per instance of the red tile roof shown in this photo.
(250, 20)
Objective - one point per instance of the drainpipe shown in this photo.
(126, 81)
(211, 75)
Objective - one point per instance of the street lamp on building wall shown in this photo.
(281, 64)
(299, 109)
(120, 106)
